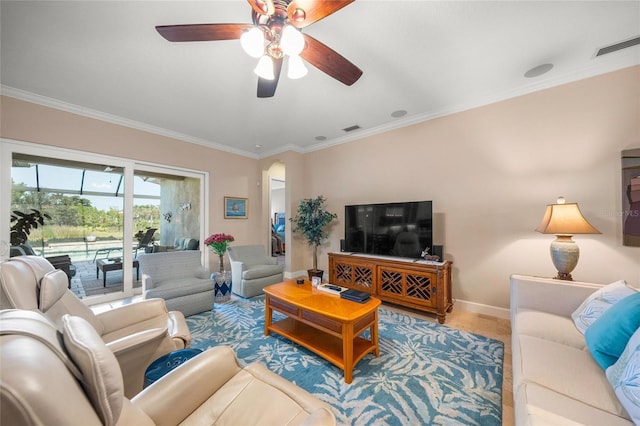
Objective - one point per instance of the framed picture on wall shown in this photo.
(631, 197)
(236, 208)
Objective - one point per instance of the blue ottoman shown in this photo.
(166, 363)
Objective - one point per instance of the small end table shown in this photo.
(106, 265)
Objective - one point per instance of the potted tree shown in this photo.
(311, 221)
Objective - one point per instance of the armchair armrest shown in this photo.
(199, 378)
(237, 267)
(147, 282)
(270, 261)
(203, 273)
(178, 328)
(130, 315)
(134, 341)
(549, 295)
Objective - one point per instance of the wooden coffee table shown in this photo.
(323, 323)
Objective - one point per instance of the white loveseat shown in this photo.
(179, 278)
(556, 381)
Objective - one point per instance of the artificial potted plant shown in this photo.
(311, 220)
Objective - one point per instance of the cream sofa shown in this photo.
(179, 278)
(556, 381)
(49, 377)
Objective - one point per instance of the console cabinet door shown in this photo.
(355, 275)
(408, 286)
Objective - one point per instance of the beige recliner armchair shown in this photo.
(70, 377)
(137, 333)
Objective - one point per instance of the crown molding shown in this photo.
(621, 61)
(570, 76)
(23, 95)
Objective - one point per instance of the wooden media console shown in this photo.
(417, 284)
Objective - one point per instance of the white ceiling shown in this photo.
(430, 58)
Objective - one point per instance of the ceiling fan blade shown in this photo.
(329, 61)
(262, 7)
(202, 32)
(267, 88)
(305, 12)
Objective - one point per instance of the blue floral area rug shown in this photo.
(426, 373)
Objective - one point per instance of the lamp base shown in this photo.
(564, 254)
(563, 276)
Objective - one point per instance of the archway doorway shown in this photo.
(277, 210)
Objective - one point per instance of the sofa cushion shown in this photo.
(186, 287)
(544, 325)
(599, 302)
(538, 405)
(566, 370)
(608, 335)
(260, 271)
(191, 244)
(243, 401)
(624, 376)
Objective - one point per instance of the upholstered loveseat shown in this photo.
(49, 377)
(556, 378)
(179, 278)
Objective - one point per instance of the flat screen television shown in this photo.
(390, 229)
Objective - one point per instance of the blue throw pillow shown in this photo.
(608, 335)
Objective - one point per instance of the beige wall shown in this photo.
(490, 172)
(229, 174)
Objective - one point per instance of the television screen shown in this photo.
(391, 229)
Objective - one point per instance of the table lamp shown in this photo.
(564, 220)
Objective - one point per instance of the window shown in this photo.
(86, 201)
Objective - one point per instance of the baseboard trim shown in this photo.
(479, 308)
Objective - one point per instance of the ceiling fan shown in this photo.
(275, 33)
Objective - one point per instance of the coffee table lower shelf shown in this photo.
(324, 323)
(327, 346)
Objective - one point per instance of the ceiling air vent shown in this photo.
(618, 46)
(351, 128)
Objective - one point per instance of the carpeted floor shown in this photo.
(425, 374)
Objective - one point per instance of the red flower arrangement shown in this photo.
(218, 243)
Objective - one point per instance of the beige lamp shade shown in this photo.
(564, 220)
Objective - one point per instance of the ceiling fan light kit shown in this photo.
(252, 42)
(289, 42)
(264, 69)
(296, 68)
(292, 41)
(275, 33)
